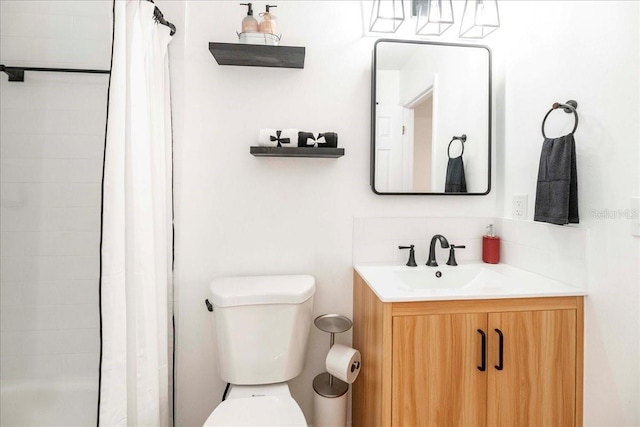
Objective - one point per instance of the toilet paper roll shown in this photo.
(343, 363)
(264, 138)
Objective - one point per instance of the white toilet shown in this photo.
(262, 324)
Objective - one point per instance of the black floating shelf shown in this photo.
(256, 55)
(297, 152)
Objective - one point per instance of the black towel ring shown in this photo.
(462, 139)
(569, 107)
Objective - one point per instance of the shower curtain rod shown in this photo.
(16, 74)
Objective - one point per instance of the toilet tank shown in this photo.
(261, 326)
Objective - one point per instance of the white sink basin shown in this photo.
(465, 281)
(438, 277)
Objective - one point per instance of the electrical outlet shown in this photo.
(520, 202)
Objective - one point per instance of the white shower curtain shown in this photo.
(136, 250)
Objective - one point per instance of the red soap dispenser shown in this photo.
(490, 247)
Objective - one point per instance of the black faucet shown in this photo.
(432, 249)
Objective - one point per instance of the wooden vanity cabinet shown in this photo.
(423, 363)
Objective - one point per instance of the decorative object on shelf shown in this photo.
(303, 138)
(254, 55)
(434, 17)
(277, 137)
(249, 24)
(327, 139)
(268, 23)
(479, 18)
(259, 38)
(263, 33)
(281, 139)
(264, 138)
(386, 16)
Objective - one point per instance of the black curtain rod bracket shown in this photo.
(16, 74)
(159, 18)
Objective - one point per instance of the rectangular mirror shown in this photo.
(431, 118)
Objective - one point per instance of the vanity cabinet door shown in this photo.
(537, 383)
(436, 380)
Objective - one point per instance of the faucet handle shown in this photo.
(412, 255)
(452, 254)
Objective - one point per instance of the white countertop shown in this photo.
(477, 281)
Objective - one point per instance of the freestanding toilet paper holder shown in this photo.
(325, 384)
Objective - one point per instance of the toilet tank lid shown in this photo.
(255, 290)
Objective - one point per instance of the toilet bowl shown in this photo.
(269, 405)
(261, 326)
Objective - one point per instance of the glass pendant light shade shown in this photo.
(479, 19)
(386, 16)
(434, 17)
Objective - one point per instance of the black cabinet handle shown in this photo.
(500, 366)
(483, 366)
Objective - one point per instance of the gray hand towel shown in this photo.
(455, 181)
(557, 190)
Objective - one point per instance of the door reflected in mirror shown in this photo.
(426, 96)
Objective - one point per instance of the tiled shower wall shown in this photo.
(51, 146)
(52, 138)
(56, 33)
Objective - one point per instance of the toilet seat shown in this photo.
(257, 411)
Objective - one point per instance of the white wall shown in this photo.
(51, 144)
(553, 52)
(388, 87)
(236, 214)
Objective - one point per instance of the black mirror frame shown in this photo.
(373, 118)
